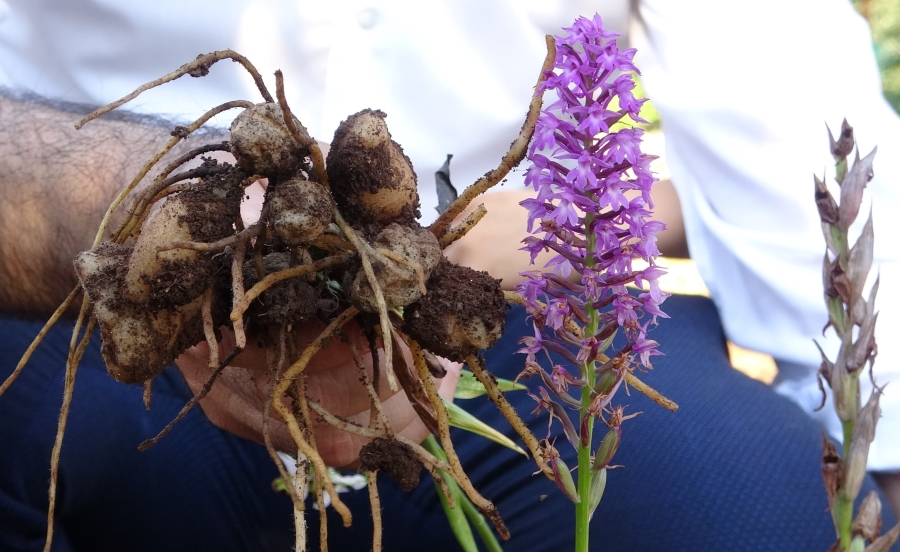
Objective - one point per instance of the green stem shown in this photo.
(481, 525)
(843, 506)
(844, 502)
(583, 507)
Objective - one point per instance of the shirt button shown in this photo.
(367, 17)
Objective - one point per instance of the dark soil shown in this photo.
(287, 302)
(215, 204)
(393, 458)
(463, 311)
(178, 283)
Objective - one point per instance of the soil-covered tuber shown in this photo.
(463, 311)
(403, 262)
(204, 213)
(371, 178)
(300, 211)
(137, 343)
(262, 144)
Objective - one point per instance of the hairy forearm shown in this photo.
(55, 186)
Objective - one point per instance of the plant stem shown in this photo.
(583, 508)
(843, 504)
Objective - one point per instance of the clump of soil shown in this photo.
(393, 458)
(464, 311)
(286, 302)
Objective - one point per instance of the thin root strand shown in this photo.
(213, 247)
(197, 68)
(375, 504)
(463, 227)
(194, 400)
(383, 318)
(54, 318)
(315, 152)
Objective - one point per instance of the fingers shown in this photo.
(237, 401)
(253, 201)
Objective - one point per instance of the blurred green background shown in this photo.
(884, 18)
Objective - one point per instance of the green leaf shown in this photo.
(469, 387)
(279, 486)
(838, 239)
(456, 516)
(463, 420)
(481, 525)
(598, 485)
(838, 318)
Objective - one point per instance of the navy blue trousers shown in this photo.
(736, 468)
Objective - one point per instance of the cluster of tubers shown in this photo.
(148, 297)
(337, 241)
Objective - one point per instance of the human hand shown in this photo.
(237, 400)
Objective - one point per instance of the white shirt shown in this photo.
(744, 90)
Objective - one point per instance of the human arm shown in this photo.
(55, 186)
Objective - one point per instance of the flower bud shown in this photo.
(828, 209)
(860, 261)
(598, 485)
(844, 387)
(852, 189)
(832, 469)
(563, 479)
(862, 436)
(608, 447)
(606, 382)
(843, 146)
(868, 519)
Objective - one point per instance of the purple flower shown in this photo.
(643, 347)
(583, 172)
(624, 144)
(595, 117)
(545, 132)
(594, 210)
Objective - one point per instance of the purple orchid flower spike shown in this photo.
(593, 209)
